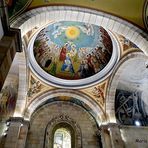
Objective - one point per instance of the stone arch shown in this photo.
(63, 121)
(98, 113)
(53, 114)
(22, 83)
(114, 80)
(31, 19)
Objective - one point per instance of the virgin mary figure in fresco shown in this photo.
(67, 65)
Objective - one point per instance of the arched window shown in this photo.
(62, 138)
(62, 132)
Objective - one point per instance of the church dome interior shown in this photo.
(72, 53)
(73, 74)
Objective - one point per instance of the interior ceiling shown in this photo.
(80, 54)
(124, 9)
(72, 50)
(133, 11)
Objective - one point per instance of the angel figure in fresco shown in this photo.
(73, 51)
(98, 92)
(82, 53)
(35, 87)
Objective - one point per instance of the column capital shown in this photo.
(19, 120)
(113, 125)
(109, 125)
(26, 122)
(16, 119)
(17, 133)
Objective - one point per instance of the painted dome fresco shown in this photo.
(72, 50)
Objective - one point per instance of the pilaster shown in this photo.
(111, 136)
(17, 133)
(115, 135)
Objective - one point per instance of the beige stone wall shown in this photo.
(44, 115)
(134, 137)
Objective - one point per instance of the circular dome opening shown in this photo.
(70, 53)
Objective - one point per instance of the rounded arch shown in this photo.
(32, 18)
(63, 121)
(96, 110)
(67, 128)
(57, 114)
(114, 80)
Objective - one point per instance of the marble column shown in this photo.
(17, 133)
(105, 136)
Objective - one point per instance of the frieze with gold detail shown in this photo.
(36, 87)
(98, 93)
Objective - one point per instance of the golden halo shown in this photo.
(72, 32)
